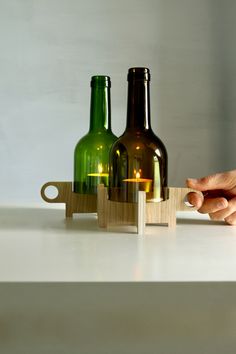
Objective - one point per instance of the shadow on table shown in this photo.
(206, 222)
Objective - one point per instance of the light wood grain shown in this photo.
(102, 206)
(142, 213)
(74, 202)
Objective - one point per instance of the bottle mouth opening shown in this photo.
(139, 73)
(100, 81)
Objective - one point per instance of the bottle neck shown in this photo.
(138, 109)
(100, 109)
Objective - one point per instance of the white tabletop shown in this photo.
(38, 244)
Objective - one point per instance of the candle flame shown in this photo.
(137, 174)
(100, 172)
(100, 169)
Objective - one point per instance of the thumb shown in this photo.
(216, 181)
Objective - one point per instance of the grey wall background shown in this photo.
(49, 49)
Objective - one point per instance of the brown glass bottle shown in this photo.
(138, 159)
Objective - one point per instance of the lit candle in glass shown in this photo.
(99, 177)
(138, 147)
(94, 147)
(143, 184)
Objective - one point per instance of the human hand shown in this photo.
(219, 196)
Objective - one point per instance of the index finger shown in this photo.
(212, 182)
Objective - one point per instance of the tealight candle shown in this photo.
(144, 184)
(99, 177)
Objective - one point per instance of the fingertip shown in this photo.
(195, 200)
(222, 203)
(191, 182)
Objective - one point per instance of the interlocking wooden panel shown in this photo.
(142, 213)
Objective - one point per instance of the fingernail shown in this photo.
(222, 204)
(192, 180)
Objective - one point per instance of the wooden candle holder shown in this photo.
(116, 213)
(142, 213)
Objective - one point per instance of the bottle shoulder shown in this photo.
(92, 139)
(136, 140)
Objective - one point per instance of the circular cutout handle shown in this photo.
(187, 205)
(52, 188)
(178, 196)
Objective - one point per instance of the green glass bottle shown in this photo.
(91, 156)
(138, 159)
